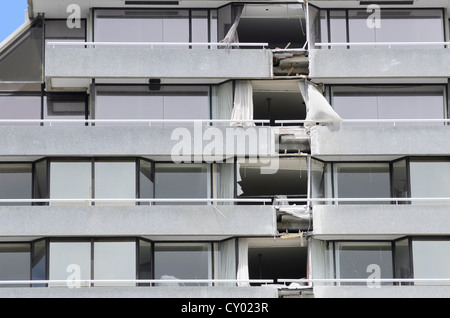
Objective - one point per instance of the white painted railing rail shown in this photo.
(131, 121)
(154, 44)
(366, 200)
(369, 281)
(363, 121)
(132, 200)
(388, 44)
(81, 282)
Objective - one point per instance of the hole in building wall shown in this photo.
(280, 259)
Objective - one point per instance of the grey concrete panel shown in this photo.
(420, 219)
(379, 63)
(142, 292)
(144, 62)
(162, 220)
(382, 292)
(135, 140)
(380, 140)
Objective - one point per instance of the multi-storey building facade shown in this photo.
(226, 149)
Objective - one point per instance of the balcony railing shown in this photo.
(381, 44)
(394, 122)
(148, 122)
(156, 44)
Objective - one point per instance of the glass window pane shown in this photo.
(15, 262)
(41, 181)
(186, 103)
(354, 258)
(225, 257)
(338, 28)
(17, 107)
(408, 102)
(145, 181)
(39, 261)
(65, 107)
(58, 31)
(115, 261)
(200, 28)
(400, 182)
(135, 102)
(183, 261)
(182, 181)
(145, 261)
(115, 180)
(361, 180)
(70, 261)
(21, 61)
(16, 182)
(431, 260)
(430, 179)
(70, 180)
(402, 259)
(142, 26)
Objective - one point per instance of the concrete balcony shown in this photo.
(333, 143)
(143, 292)
(131, 138)
(380, 220)
(382, 292)
(367, 64)
(142, 62)
(155, 220)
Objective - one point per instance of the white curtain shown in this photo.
(225, 182)
(242, 272)
(318, 259)
(243, 104)
(227, 261)
(317, 107)
(232, 35)
(222, 102)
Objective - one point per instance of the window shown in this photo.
(20, 102)
(431, 259)
(66, 107)
(280, 25)
(16, 182)
(58, 31)
(70, 180)
(390, 102)
(21, 60)
(115, 180)
(183, 261)
(70, 261)
(396, 25)
(139, 102)
(182, 181)
(163, 25)
(361, 180)
(430, 179)
(14, 262)
(115, 260)
(357, 260)
(112, 259)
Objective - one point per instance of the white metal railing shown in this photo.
(274, 201)
(118, 282)
(131, 121)
(388, 44)
(325, 200)
(155, 44)
(368, 281)
(363, 121)
(132, 200)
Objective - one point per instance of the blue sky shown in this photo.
(12, 16)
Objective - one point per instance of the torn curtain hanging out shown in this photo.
(317, 107)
